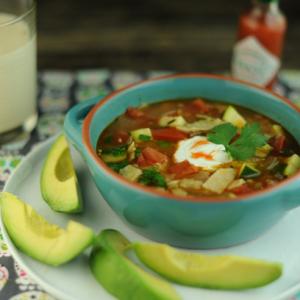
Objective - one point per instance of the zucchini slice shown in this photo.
(141, 135)
(248, 171)
(169, 121)
(263, 151)
(277, 129)
(114, 155)
(232, 116)
(293, 165)
(131, 173)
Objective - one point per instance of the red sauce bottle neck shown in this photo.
(265, 23)
(262, 9)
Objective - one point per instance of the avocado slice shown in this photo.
(59, 184)
(43, 241)
(121, 277)
(215, 272)
(232, 116)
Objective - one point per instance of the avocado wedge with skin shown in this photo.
(121, 277)
(59, 184)
(214, 272)
(43, 241)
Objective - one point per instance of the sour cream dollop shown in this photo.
(200, 152)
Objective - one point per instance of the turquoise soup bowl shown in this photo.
(179, 221)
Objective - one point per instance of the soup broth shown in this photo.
(199, 148)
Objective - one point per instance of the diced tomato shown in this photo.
(134, 113)
(173, 113)
(150, 156)
(168, 134)
(278, 143)
(121, 137)
(201, 106)
(214, 112)
(141, 161)
(183, 169)
(243, 189)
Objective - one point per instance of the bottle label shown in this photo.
(253, 63)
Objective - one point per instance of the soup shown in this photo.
(199, 148)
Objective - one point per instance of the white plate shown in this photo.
(74, 281)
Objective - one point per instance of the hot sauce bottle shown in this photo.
(257, 53)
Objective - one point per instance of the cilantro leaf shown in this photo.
(250, 139)
(144, 137)
(222, 134)
(164, 144)
(252, 133)
(241, 152)
(118, 165)
(245, 145)
(117, 151)
(152, 177)
(137, 152)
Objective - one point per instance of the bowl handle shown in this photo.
(74, 119)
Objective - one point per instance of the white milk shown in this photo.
(17, 74)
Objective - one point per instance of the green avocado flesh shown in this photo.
(59, 184)
(43, 241)
(215, 272)
(121, 277)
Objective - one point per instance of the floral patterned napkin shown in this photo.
(58, 91)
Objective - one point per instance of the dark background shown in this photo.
(192, 35)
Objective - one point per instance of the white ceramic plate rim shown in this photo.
(13, 250)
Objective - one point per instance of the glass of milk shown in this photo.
(18, 110)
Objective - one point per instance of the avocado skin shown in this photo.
(121, 277)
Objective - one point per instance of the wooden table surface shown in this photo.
(189, 35)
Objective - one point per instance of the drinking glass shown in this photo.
(17, 67)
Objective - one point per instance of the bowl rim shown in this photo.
(150, 190)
